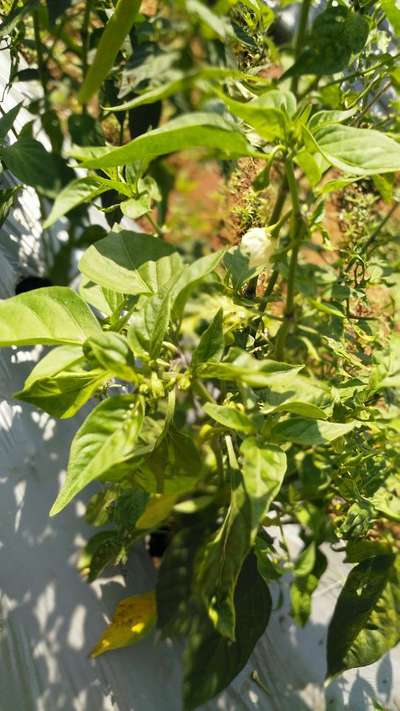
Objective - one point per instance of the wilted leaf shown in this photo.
(132, 620)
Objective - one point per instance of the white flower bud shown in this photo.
(258, 246)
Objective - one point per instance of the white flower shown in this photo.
(258, 246)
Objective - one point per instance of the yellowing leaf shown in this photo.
(133, 619)
(157, 509)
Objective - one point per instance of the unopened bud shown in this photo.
(258, 246)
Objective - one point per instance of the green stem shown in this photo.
(297, 230)
(200, 389)
(279, 203)
(301, 33)
(356, 75)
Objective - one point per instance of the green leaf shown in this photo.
(310, 432)
(392, 12)
(212, 343)
(52, 315)
(219, 26)
(62, 394)
(221, 560)
(111, 352)
(306, 561)
(211, 661)
(301, 396)
(366, 621)
(249, 370)
(80, 191)
(175, 581)
(358, 151)
(105, 300)
(197, 130)
(107, 438)
(191, 276)
(131, 263)
(336, 34)
(238, 267)
(263, 469)
(181, 82)
(230, 418)
(268, 113)
(386, 498)
(7, 121)
(136, 207)
(33, 165)
(304, 585)
(117, 28)
(175, 466)
(158, 508)
(57, 360)
(56, 8)
(148, 325)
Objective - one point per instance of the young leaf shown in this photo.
(211, 661)
(304, 585)
(197, 130)
(310, 432)
(148, 325)
(211, 346)
(51, 315)
(231, 418)
(366, 620)
(132, 620)
(191, 276)
(263, 469)
(106, 439)
(358, 151)
(220, 561)
(131, 263)
(80, 191)
(117, 28)
(112, 353)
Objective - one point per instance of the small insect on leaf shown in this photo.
(133, 619)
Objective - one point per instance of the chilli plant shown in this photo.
(246, 382)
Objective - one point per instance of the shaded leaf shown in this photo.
(366, 620)
(211, 661)
(212, 343)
